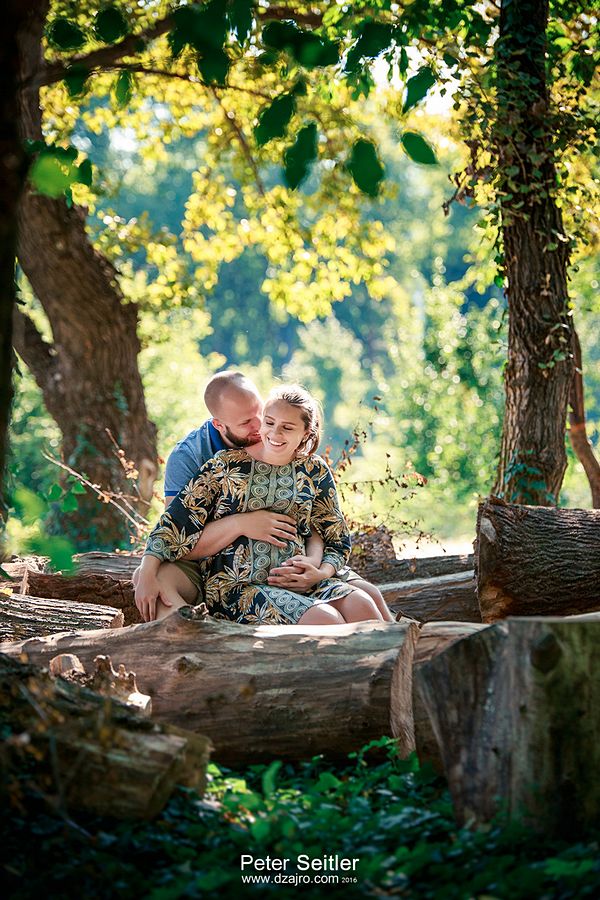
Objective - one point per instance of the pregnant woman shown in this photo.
(282, 474)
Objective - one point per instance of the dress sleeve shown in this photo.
(179, 528)
(327, 518)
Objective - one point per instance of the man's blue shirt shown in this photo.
(189, 455)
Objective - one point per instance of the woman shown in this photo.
(281, 473)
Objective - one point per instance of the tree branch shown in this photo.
(37, 355)
(106, 57)
(183, 76)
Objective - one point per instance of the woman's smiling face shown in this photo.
(282, 430)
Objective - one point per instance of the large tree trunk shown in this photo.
(539, 371)
(88, 375)
(516, 711)
(262, 693)
(12, 175)
(23, 617)
(537, 561)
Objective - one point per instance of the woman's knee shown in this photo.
(323, 614)
(358, 607)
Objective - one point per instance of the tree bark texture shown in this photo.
(580, 442)
(23, 617)
(434, 637)
(443, 598)
(537, 561)
(262, 693)
(87, 751)
(88, 374)
(13, 167)
(390, 569)
(102, 590)
(540, 366)
(516, 711)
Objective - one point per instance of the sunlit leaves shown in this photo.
(63, 34)
(417, 87)
(274, 119)
(365, 167)
(299, 157)
(110, 25)
(373, 39)
(76, 80)
(418, 148)
(241, 15)
(308, 49)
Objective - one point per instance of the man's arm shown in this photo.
(261, 525)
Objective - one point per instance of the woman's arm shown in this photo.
(327, 518)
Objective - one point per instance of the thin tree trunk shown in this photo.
(89, 374)
(580, 442)
(12, 175)
(539, 371)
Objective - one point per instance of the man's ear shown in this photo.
(218, 425)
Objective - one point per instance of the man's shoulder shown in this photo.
(194, 438)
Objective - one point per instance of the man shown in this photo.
(236, 410)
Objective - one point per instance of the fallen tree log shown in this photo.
(434, 638)
(391, 569)
(103, 680)
(117, 565)
(23, 617)
(443, 598)
(265, 692)
(76, 749)
(536, 560)
(516, 711)
(99, 589)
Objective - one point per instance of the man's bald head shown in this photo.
(236, 407)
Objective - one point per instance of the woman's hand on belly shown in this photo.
(296, 574)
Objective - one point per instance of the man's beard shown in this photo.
(240, 442)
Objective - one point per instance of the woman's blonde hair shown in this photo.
(310, 412)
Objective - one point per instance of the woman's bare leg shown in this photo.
(323, 614)
(175, 587)
(357, 607)
(376, 596)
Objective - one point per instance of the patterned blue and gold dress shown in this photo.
(236, 578)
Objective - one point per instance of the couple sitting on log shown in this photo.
(253, 525)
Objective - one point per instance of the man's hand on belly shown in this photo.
(266, 525)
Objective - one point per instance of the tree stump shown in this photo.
(536, 560)
(434, 637)
(23, 617)
(263, 692)
(80, 750)
(516, 711)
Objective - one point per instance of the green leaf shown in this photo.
(280, 35)
(450, 60)
(299, 157)
(418, 148)
(69, 503)
(417, 87)
(327, 781)
(373, 39)
(365, 167)
(84, 173)
(78, 488)
(76, 80)
(269, 777)
(49, 175)
(241, 16)
(213, 65)
(308, 49)
(274, 119)
(58, 549)
(123, 88)
(55, 492)
(110, 25)
(63, 34)
(403, 61)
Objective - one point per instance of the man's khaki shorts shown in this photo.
(194, 573)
